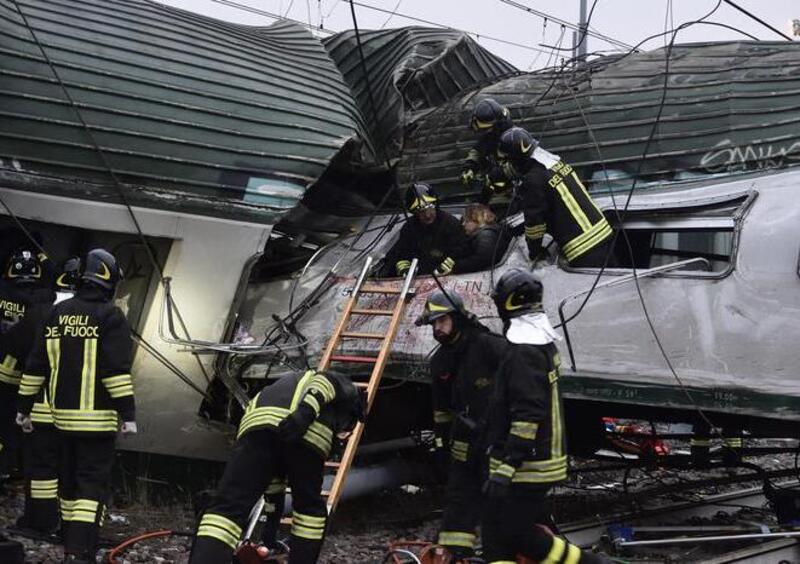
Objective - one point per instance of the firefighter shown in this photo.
(526, 433)
(287, 431)
(83, 359)
(67, 281)
(41, 442)
(20, 290)
(554, 200)
(462, 371)
(432, 235)
(489, 119)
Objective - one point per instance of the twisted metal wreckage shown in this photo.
(259, 173)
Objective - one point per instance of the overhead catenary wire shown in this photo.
(650, 138)
(752, 16)
(444, 26)
(582, 29)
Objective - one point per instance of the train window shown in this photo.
(656, 243)
(656, 238)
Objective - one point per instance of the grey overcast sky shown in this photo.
(628, 21)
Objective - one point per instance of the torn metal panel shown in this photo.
(179, 103)
(410, 69)
(730, 107)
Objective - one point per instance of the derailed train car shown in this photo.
(245, 152)
(717, 266)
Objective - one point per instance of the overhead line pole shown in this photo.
(756, 18)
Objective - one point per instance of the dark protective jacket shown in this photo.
(15, 349)
(431, 244)
(526, 423)
(83, 359)
(555, 201)
(462, 376)
(482, 157)
(13, 303)
(487, 246)
(334, 399)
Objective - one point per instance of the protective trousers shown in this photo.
(257, 459)
(41, 478)
(9, 432)
(462, 499)
(84, 482)
(512, 526)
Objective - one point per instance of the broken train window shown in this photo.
(662, 236)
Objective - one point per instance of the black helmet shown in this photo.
(70, 274)
(516, 144)
(516, 293)
(23, 267)
(420, 196)
(439, 304)
(101, 269)
(488, 114)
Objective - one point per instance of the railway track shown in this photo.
(651, 534)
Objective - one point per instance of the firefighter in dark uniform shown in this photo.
(462, 372)
(83, 360)
(286, 431)
(554, 201)
(41, 444)
(526, 433)
(490, 120)
(433, 236)
(22, 288)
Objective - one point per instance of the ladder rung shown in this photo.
(360, 384)
(372, 312)
(356, 359)
(332, 464)
(379, 290)
(376, 336)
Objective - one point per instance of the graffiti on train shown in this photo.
(727, 157)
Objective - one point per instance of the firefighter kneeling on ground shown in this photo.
(82, 356)
(287, 430)
(526, 433)
(462, 371)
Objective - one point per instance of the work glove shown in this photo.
(497, 486)
(25, 422)
(129, 428)
(295, 425)
(467, 176)
(402, 267)
(445, 268)
(496, 181)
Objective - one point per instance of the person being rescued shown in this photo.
(487, 239)
(554, 201)
(433, 236)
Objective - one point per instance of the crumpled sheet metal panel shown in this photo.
(730, 107)
(410, 68)
(176, 100)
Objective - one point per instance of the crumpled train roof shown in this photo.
(730, 107)
(225, 114)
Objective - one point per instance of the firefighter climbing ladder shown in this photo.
(331, 358)
(378, 362)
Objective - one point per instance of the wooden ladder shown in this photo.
(342, 467)
(378, 362)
